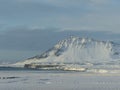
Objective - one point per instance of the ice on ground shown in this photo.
(53, 80)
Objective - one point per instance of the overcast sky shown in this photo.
(29, 27)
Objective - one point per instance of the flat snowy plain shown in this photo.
(58, 80)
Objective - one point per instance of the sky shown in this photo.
(30, 27)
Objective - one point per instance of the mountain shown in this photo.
(76, 50)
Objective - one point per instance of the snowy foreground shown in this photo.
(57, 80)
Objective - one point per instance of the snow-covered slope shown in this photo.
(75, 50)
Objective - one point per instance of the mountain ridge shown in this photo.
(76, 49)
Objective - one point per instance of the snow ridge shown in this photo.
(77, 50)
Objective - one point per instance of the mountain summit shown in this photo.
(77, 50)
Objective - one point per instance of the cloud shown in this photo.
(35, 39)
(92, 15)
(36, 25)
(19, 43)
(99, 1)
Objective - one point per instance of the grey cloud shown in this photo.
(66, 14)
(32, 9)
(13, 13)
(14, 8)
(42, 39)
(21, 43)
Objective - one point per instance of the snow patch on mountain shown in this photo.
(76, 50)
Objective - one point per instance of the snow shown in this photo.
(85, 52)
(83, 64)
(54, 80)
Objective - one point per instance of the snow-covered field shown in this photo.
(90, 65)
(57, 80)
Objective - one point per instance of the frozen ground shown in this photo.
(58, 80)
